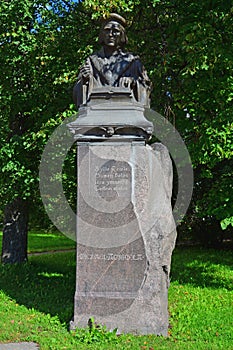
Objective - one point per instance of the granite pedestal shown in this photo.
(125, 235)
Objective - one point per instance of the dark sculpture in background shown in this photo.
(112, 67)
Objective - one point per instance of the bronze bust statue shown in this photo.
(111, 67)
(112, 92)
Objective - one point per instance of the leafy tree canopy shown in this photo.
(186, 47)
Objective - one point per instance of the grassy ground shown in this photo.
(42, 241)
(36, 304)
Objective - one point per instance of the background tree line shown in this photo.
(186, 47)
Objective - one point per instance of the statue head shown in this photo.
(112, 32)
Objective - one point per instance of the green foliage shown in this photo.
(104, 7)
(36, 86)
(227, 222)
(187, 50)
(96, 334)
(204, 90)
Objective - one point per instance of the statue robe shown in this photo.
(108, 71)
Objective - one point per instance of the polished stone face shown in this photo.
(112, 34)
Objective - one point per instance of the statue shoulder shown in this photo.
(97, 54)
(131, 57)
(96, 57)
(94, 54)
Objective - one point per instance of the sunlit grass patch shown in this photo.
(39, 241)
(36, 304)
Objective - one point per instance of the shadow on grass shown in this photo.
(203, 267)
(46, 283)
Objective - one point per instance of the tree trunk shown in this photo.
(15, 229)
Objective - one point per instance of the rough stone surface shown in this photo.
(19, 346)
(125, 236)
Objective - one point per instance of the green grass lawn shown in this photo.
(42, 241)
(36, 304)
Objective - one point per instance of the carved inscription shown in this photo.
(113, 179)
(111, 257)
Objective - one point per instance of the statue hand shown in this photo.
(85, 71)
(126, 82)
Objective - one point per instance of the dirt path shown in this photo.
(52, 251)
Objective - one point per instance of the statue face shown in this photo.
(112, 34)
